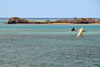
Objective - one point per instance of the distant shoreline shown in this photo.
(57, 23)
(17, 20)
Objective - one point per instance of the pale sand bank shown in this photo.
(60, 23)
(77, 24)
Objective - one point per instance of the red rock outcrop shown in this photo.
(17, 20)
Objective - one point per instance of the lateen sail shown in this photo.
(80, 32)
(73, 29)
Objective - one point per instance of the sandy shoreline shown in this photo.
(61, 24)
(58, 24)
(77, 24)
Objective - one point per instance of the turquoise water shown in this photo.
(47, 45)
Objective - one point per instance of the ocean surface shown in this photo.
(49, 45)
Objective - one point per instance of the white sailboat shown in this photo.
(80, 32)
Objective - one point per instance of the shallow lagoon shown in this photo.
(43, 45)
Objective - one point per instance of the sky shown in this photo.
(49, 8)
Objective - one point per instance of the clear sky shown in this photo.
(49, 8)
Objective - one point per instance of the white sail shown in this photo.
(80, 32)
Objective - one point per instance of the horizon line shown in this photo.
(48, 17)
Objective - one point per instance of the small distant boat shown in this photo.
(80, 32)
(73, 29)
